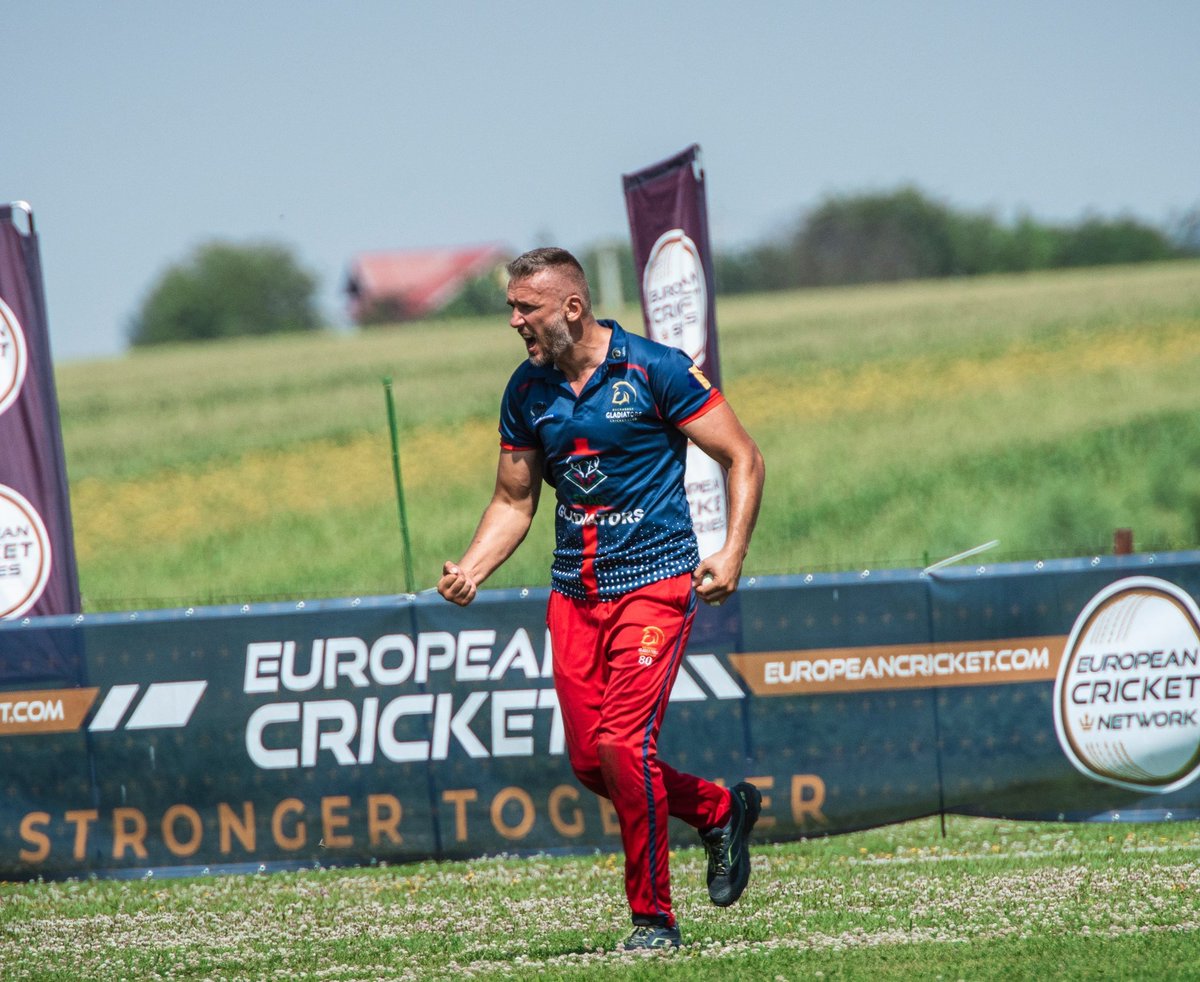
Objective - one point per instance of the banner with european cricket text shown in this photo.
(668, 223)
(37, 560)
(350, 732)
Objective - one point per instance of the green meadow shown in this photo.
(900, 423)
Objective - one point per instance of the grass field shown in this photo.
(898, 422)
(992, 900)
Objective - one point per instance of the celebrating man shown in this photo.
(604, 417)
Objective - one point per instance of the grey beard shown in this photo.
(557, 340)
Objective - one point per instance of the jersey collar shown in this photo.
(618, 343)
(618, 353)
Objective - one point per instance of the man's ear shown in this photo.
(573, 308)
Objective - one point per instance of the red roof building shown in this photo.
(407, 284)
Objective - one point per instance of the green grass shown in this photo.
(1043, 410)
(898, 422)
(992, 900)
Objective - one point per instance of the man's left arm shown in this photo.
(720, 434)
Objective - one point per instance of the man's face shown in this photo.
(537, 304)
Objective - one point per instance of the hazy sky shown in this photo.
(138, 130)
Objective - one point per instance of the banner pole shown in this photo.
(401, 509)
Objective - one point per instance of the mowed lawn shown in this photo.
(899, 423)
(990, 900)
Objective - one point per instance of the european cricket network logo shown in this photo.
(1127, 696)
(24, 554)
(675, 295)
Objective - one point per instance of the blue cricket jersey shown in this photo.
(615, 458)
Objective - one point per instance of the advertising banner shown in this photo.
(394, 729)
(668, 222)
(37, 559)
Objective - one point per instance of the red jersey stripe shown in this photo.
(714, 399)
(591, 546)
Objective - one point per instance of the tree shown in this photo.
(1185, 232)
(867, 238)
(904, 234)
(224, 290)
(1123, 240)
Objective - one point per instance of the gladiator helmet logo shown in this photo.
(623, 393)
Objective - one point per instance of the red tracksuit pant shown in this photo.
(614, 664)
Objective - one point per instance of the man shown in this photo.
(604, 418)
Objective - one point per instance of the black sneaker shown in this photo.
(728, 846)
(646, 937)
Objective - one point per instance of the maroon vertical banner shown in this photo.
(668, 222)
(37, 554)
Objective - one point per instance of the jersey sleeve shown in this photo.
(515, 432)
(683, 393)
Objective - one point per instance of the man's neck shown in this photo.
(586, 354)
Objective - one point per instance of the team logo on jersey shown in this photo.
(538, 414)
(585, 474)
(623, 393)
(624, 402)
(700, 377)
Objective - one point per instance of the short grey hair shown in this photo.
(552, 258)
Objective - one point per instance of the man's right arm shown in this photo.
(502, 528)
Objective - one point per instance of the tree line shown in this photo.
(226, 290)
(905, 234)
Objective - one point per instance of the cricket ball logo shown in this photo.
(1127, 696)
(14, 357)
(24, 554)
(675, 295)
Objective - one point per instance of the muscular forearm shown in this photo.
(504, 524)
(722, 437)
(502, 528)
(745, 482)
